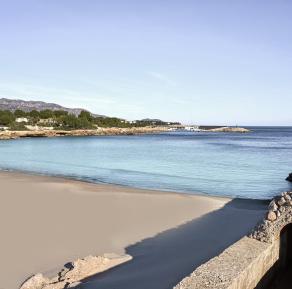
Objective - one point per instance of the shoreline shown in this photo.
(103, 131)
(49, 221)
(7, 135)
(121, 186)
(114, 187)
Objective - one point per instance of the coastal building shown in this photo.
(3, 128)
(21, 119)
(192, 128)
(47, 121)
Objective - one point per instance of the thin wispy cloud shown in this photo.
(68, 97)
(161, 77)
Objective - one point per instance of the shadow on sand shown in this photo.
(162, 261)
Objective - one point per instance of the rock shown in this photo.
(282, 201)
(82, 132)
(37, 281)
(271, 216)
(282, 209)
(74, 272)
(289, 178)
(269, 229)
(273, 206)
(229, 129)
(74, 284)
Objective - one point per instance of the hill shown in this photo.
(27, 106)
(57, 116)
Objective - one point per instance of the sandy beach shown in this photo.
(46, 222)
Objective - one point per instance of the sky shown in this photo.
(194, 61)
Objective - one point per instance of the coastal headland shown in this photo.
(10, 134)
(229, 129)
(80, 132)
(53, 221)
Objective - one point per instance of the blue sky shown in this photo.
(207, 62)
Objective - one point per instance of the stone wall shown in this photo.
(252, 261)
(278, 216)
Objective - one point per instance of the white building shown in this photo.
(21, 119)
(47, 121)
(192, 128)
(3, 128)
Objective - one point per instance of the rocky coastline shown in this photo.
(6, 135)
(229, 129)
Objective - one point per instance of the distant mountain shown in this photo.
(27, 106)
(13, 104)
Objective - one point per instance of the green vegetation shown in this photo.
(62, 120)
(6, 117)
(17, 126)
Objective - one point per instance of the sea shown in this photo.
(251, 165)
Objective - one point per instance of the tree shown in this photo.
(85, 114)
(70, 121)
(111, 122)
(17, 126)
(6, 117)
(19, 113)
(45, 114)
(59, 113)
(34, 114)
(84, 123)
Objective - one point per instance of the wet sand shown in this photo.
(46, 222)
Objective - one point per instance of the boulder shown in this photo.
(282, 201)
(37, 281)
(271, 216)
(289, 178)
(73, 273)
(273, 206)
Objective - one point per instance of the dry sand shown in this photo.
(46, 222)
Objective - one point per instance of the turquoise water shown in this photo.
(252, 165)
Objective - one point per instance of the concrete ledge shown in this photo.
(251, 262)
(241, 266)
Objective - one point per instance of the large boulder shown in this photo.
(72, 275)
(289, 178)
(37, 281)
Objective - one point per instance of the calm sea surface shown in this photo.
(252, 165)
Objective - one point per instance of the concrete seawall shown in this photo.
(255, 260)
(241, 266)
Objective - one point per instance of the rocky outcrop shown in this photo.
(229, 129)
(278, 216)
(5, 135)
(71, 275)
(37, 281)
(289, 178)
